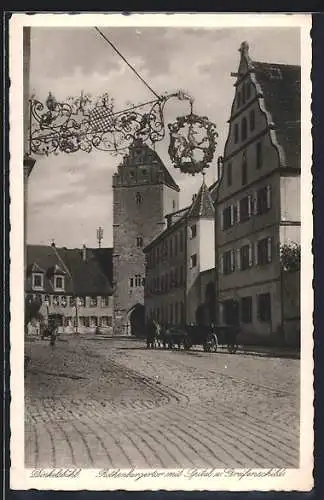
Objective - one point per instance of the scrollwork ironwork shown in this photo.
(192, 143)
(85, 124)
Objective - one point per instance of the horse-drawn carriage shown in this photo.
(190, 335)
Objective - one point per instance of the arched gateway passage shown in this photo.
(136, 320)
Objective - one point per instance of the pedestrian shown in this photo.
(53, 337)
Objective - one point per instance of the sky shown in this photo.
(70, 195)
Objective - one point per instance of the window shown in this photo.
(131, 282)
(68, 321)
(229, 174)
(228, 262)
(176, 244)
(166, 282)
(263, 251)
(138, 199)
(246, 309)
(86, 321)
(93, 321)
(173, 204)
(138, 280)
(244, 257)
(244, 172)
(63, 301)
(245, 208)
(228, 217)
(106, 321)
(58, 282)
(259, 158)
(38, 281)
(81, 301)
(47, 299)
(171, 313)
(176, 306)
(171, 281)
(236, 133)
(71, 301)
(56, 300)
(264, 307)
(263, 200)
(193, 231)
(105, 301)
(182, 314)
(170, 244)
(243, 129)
(194, 260)
(252, 120)
(139, 241)
(93, 302)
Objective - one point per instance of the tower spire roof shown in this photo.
(202, 205)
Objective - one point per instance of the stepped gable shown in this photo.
(140, 154)
(202, 206)
(280, 87)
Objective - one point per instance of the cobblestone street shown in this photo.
(94, 402)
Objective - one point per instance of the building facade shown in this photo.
(180, 265)
(143, 193)
(258, 205)
(73, 284)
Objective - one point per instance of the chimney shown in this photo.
(84, 253)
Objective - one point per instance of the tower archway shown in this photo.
(136, 320)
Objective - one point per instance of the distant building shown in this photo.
(74, 284)
(143, 193)
(258, 207)
(180, 261)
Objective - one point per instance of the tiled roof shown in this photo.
(142, 154)
(280, 88)
(205, 206)
(82, 277)
(202, 206)
(36, 269)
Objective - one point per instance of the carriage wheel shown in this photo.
(232, 348)
(186, 345)
(211, 344)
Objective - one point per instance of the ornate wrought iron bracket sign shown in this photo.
(82, 124)
(192, 143)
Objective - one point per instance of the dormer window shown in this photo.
(59, 283)
(38, 281)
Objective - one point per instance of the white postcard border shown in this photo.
(238, 480)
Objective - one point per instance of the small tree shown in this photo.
(290, 257)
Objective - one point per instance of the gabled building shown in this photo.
(258, 205)
(143, 193)
(74, 284)
(180, 265)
